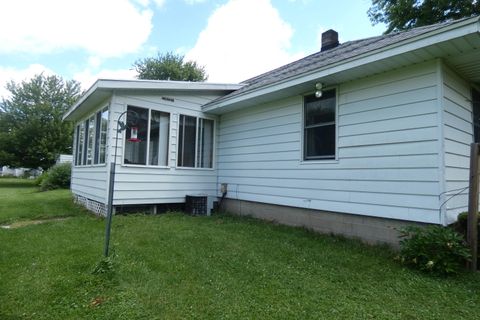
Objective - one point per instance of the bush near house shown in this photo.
(461, 227)
(433, 249)
(57, 177)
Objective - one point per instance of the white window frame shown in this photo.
(197, 118)
(84, 155)
(302, 132)
(124, 137)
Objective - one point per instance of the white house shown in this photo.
(354, 139)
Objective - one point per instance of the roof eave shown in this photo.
(446, 33)
(108, 85)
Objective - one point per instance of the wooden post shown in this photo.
(472, 222)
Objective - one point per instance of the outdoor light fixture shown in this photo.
(318, 89)
(120, 127)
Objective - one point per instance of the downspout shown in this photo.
(442, 214)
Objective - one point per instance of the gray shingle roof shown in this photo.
(320, 59)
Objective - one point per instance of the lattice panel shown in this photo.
(96, 207)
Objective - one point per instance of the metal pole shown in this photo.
(111, 186)
(108, 225)
(472, 221)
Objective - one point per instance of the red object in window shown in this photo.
(134, 135)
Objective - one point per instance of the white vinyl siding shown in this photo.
(388, 164)
(458, 135)
(90, 181)
(136, 184)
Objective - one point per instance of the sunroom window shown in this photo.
(319, 126)
(91, 139)
(80, 143)
(146, 138)
(195, 142)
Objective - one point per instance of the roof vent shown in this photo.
(329, 39)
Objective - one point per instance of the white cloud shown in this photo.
(88, 77)
(8, 74)
(159, 3)
(104, 28)
(191, 2)
(243, 38)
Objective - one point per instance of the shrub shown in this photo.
(461, 224)
(433, 249)
(56, 177)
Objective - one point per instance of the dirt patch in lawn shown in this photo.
(20, 224)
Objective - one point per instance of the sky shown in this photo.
(86, 40)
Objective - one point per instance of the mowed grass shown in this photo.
(21, 200)
(174, 266)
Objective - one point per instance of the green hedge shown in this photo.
(57, 177)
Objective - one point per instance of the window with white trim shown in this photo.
(195, 142)
(80, 142)
(101, 136)
(91, 139)
(90, 125)
(319, 135)
(147, 136)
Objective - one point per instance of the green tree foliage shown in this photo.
(32, 133)
(169, 66)
(405, 14)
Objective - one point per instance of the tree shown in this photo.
(169, 66)
(406, 14)
(32, 133)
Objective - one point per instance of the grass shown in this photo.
(21, 200)
(175, 266)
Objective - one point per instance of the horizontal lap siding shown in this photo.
(90, 182)
(149, 185)
(387, 151)
(458, 134)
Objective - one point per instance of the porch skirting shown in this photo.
(99, 209)
(371, 230)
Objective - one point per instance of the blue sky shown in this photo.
(235, 39)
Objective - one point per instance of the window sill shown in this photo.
(91, 165)
(143, 166)
(326, 161)
(191, 168)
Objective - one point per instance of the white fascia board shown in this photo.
(456, 30)
(164, 85)
(112, 85)
(82, 99)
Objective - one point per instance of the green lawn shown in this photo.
(175, 266)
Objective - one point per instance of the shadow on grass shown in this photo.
(17, 185)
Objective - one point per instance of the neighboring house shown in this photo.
(387, 143)
(64, 158)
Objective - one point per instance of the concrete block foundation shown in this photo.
(371, 230)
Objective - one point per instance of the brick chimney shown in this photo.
(329, 39)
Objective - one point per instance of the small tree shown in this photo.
(405, 14)
(32, 133)
(169, 66)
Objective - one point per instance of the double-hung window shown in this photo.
(195, 142)
(146, 138)
(319, 134)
